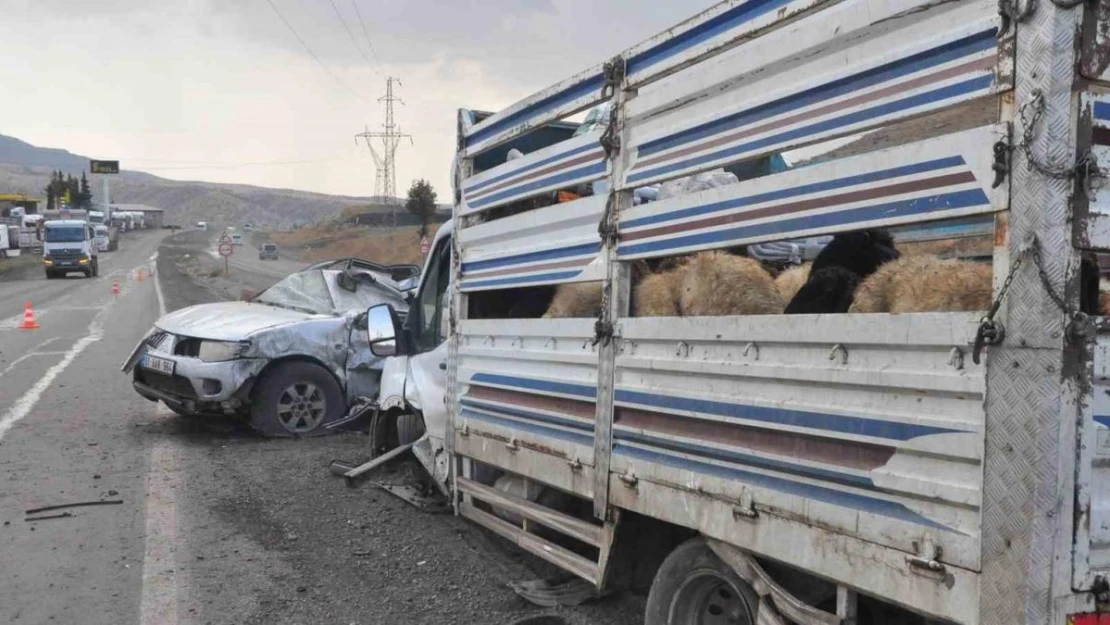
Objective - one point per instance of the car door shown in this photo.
(427, 322)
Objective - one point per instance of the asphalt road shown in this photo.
(216, 525)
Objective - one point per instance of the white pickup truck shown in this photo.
(831, 468)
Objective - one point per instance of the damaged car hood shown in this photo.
(228, 321)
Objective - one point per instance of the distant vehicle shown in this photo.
(202, 225)
(69, 245)
(248, 228)
(103, 241)
(6, 235)
(96, 217)
(31, 221)
(270, 360)
(268, 250)
(237, 240)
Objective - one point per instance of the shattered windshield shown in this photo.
(306, 291)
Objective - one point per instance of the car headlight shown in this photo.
(219, 351)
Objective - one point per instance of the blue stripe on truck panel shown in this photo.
(840, 498)
(545, 386)
(860, 426)
(570, 437)
(884, 73)
(703, 32)
(726, 455)
(782, 194)
(785, 227)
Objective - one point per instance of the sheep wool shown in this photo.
(657, 294)
(581, 299)
(790, 281)
(925, 284)
(717, 284)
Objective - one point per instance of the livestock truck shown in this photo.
(834, 468)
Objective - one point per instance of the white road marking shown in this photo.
(30, 354)
(158, 605)
(158, 286)
(23, 406)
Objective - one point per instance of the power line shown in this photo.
(366, 34)
(235, 165)
(351, 35)
(336, 78)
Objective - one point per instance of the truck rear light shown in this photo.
(1092, 618)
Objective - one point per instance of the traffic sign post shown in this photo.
(226, 249)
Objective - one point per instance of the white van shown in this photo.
(102, 239)
(202, 225)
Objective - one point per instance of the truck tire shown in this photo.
(296, 399)
(96, 267)
(694, 586)
(50, 275)
(410, 427)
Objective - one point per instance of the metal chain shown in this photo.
(1018, 10)
(1029, 122)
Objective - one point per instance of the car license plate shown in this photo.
(161, 365)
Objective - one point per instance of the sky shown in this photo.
(223, 91)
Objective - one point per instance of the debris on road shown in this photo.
(351, 473)
(61, 515)
(432, 503)
(574, 591)
(79, 504)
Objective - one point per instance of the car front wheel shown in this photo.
(296, 399)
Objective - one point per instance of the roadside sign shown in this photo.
(226, 249)
(425, 245)
(104, 167)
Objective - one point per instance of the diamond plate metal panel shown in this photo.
(1021, 501)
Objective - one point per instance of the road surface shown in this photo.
(215, 525)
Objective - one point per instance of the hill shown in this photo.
(25, 168)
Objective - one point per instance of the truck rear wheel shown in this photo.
(693, 586)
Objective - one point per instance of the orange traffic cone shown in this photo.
(139, 275)
(29, 322)
(115, 287)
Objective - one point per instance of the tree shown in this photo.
(422, 203)
(84, 197)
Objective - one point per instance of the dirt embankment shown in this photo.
(400, 245)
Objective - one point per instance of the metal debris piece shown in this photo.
(79, 504)
(47, 517)
(414, 496)
(350, 473)
(540, 619)
(544, 593)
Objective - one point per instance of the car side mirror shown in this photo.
(382, 330)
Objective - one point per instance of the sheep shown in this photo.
(716, 283)
(790, 281)
(842, 264)
(580, 299)
(657, 295)
(925, 284)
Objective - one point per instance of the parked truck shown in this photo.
(834, 468)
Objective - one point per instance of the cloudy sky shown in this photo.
(209, 89)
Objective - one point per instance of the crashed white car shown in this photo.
(292, 360)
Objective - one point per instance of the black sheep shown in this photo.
(839, 268)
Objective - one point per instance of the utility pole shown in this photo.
(385, 176)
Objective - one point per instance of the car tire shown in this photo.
(96, 267)
(296, 399)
